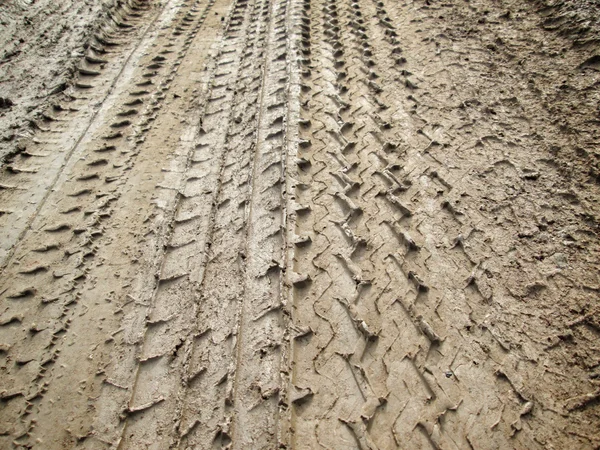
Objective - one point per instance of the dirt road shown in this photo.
(339, 224)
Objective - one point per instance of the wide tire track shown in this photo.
(55, 260)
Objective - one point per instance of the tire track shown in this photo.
(260, 320)
(212, 368)
(86, 198)
(28, 177)
(178, 201)
(457, 336)
(382, 364)
(210, 163)
(296, 21)
(332, 246)
(327, 271)
(410, 355)
(472, 303)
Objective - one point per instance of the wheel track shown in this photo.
(410, 269)
(482, 333)
(297, 45)
(231, 175)
(21, 175)
(396, 338)
(261, 321)
(469, 258)
(425, 293)
(62, 295)
(334, 277)
(371, 145)
(219, 364)
(177, 209)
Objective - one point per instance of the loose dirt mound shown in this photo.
(300, 224)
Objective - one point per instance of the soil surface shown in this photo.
(338, 224)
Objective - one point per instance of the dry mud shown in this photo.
(339, 224)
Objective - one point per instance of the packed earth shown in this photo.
(300, 224)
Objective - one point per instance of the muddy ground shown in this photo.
(340, 224)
